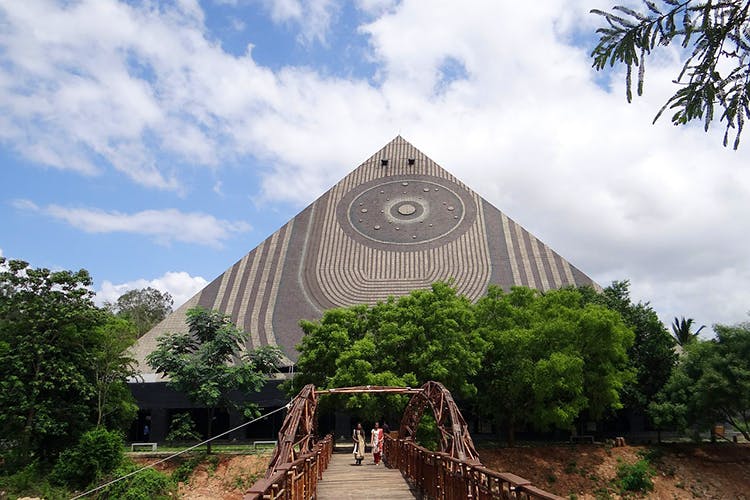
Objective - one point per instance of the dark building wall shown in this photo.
(158, 402)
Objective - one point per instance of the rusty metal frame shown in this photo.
(376, 389)
(297, 433)
(455, 439)
(456, 470)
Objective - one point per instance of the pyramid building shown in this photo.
(397, 223)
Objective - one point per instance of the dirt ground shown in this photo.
(227, 479)
(710, 471)
(720, 471)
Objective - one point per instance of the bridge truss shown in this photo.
(296, 436)
(455, 472)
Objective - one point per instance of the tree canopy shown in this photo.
(652, 354)
(60, 370)
(207, 362)
(714, 40)
(406, 341)
(525, 357)
(143, 307)
(710, 384)
(552, 356)
(682, 329)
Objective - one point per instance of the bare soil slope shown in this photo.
(720, 471)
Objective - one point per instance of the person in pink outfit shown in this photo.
(376, 441)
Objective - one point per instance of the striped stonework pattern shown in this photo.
(320, 259)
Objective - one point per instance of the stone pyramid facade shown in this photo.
(396, 223)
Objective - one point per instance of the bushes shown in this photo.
(30, 481)
(182, 428)
(186, 468)
(635, 477)
(97, 453)
(146, 485)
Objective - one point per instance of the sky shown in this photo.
(155, 143)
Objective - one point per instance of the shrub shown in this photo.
(635, 477)
(182, 473)
(182, 428)
(30, 482)
(97, 453)
(146, 485)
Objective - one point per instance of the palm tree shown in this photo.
(681, 329)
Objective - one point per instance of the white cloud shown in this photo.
(376, 7)
(164, 226)
(526, 123)
(180, 285)
(312, 17)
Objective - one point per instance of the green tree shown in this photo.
(551, 357)
(652, 354)
(405, 341)
(143, 307)
(97, 452)
(182, 428)
(711, 383)
(206, 362)
(682, 329)
(111, 367)
(48, 326)
(714, 39)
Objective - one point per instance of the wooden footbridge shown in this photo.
(303, 467)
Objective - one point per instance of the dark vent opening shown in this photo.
(384, 162)
(410, 161)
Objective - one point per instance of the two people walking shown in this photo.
(376, 442)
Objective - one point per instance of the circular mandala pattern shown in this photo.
(408, 211)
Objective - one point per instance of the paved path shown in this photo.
(343, 480)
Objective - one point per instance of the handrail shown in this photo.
(297, 480)
(438, 475)
(454, 473)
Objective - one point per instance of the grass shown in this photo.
(635, 477)
(248, 449)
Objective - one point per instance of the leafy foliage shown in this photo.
(682, 329)
(206, 362)
(635, 477)
(31, 481)
(183, 472)
(711, 383)
(112, 366)
(552, 356)
(56, 361)
(98, 452)
(714, 36)
(182, 428)
(428, 435)
(405, 341)
(651, 356)
(148, 484)
(143, 307)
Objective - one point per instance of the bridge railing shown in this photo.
(439, 476)
(297, 480)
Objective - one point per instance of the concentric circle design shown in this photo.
(406, 211)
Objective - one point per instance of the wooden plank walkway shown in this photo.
(343, 480)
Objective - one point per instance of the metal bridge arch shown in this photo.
(297, 434)
(455, 439)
